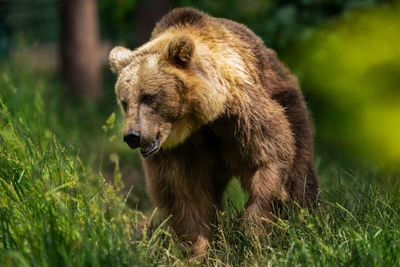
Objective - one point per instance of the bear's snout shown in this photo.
(135, 140)
(150, 147)
(132, 138)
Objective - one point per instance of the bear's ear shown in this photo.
(119, 58)
(180, 50)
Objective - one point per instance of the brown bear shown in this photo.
(205, 100)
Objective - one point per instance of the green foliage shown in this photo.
(117, 20)
(350, 70)
(234, 196)
(36, 20)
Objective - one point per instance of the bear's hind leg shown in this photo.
(265, 188)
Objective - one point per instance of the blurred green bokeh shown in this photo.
(350, 71)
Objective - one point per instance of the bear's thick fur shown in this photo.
(205, 100)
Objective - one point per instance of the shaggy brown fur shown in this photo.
(208, 101)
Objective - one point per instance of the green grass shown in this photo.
(56, 208)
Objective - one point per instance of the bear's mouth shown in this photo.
(152, 148)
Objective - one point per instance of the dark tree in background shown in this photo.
(79, 48)
(148, 14)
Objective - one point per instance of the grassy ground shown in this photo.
(57, 209)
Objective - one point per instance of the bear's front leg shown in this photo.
(191, 220)
(184, 193)
(265, 187)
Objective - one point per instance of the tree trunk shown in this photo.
(79, 48)
(148, 14)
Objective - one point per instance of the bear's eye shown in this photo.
(146, 99)
(124, 105)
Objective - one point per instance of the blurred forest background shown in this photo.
(346, 54)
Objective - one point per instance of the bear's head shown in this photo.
(163, 91)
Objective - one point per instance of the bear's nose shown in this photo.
(132, 138)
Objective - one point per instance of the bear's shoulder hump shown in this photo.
(180, 17)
